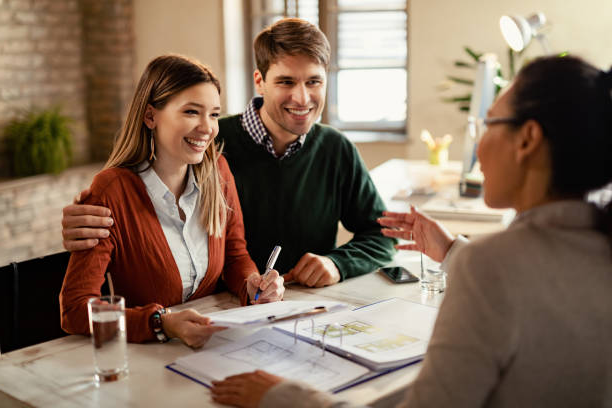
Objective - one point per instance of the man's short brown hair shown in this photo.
(290, 36)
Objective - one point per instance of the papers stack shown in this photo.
(330, 352)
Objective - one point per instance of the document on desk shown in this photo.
(375, 339)
(268, 313)
(463, 208)
(381, 336)
(275, 352)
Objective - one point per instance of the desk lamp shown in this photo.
(518, 31)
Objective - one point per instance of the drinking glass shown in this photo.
(433, 278)
(107, 328)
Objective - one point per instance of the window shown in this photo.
(367, 84)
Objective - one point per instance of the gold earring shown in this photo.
(152, 155)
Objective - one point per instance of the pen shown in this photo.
(315, 310)
(269, 266)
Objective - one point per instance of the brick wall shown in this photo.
(77, 53)
(108, 56)
(41, 64)
(31, 212)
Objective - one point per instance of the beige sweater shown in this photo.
(526, 321)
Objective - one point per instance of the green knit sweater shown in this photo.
(297, 202)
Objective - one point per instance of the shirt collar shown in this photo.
(158, 191)
(252, 123)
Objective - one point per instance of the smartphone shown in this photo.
(399, 274)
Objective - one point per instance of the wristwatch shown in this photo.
(156, 325)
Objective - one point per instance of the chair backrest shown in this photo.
(30, 301)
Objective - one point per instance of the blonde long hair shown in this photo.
(164, 77)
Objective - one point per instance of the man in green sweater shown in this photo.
(295, 178)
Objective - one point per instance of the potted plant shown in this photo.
(39, 142)
(463, 101)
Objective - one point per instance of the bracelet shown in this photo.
(156, 325)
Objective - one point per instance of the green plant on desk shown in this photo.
(39, 142)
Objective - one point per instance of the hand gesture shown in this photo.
(314, 271)
(429, 236)
(272, 287)
(188, 325)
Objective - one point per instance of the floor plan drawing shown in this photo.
(348, 329)
(312, 369)
(388, 344)
(259, 354)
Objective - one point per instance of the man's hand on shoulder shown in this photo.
(314, 271)
(83, 225)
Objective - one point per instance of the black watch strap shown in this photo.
(156, 325)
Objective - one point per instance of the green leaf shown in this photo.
(463, 64)
(452, 99)
(458, 80)
(475, 55)
(511, 59)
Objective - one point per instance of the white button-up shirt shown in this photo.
(188, 240)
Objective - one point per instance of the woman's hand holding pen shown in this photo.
(188, 325)
(271, 285)
(429, 236)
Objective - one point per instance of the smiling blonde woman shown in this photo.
(178, 226)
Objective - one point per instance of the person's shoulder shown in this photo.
(329, 133)
(229, 121)
(230, 130)
(498, 251)
(223, 165)
(111, 180)
(230, 118)
(332, 140)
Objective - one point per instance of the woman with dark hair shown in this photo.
(526, 320)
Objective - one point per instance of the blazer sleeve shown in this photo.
(238, 263)
(85, 276)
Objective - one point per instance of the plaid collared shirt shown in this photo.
(251, 122)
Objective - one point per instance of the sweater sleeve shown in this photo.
(238, 264)
(369, 249)
(85, 276)
(474, 337)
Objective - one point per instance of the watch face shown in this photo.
(156, 325)
(156, 322)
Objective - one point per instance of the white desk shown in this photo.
(395, 174)
(59, 373)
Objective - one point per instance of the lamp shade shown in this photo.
(518, 30)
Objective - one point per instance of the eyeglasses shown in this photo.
(478, 126)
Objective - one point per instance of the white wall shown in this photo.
(189, 27)
(437, 33)
(440, 28)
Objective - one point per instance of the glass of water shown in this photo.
(433, 278)
(107, 328)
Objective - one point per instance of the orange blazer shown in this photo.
(139, 259)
